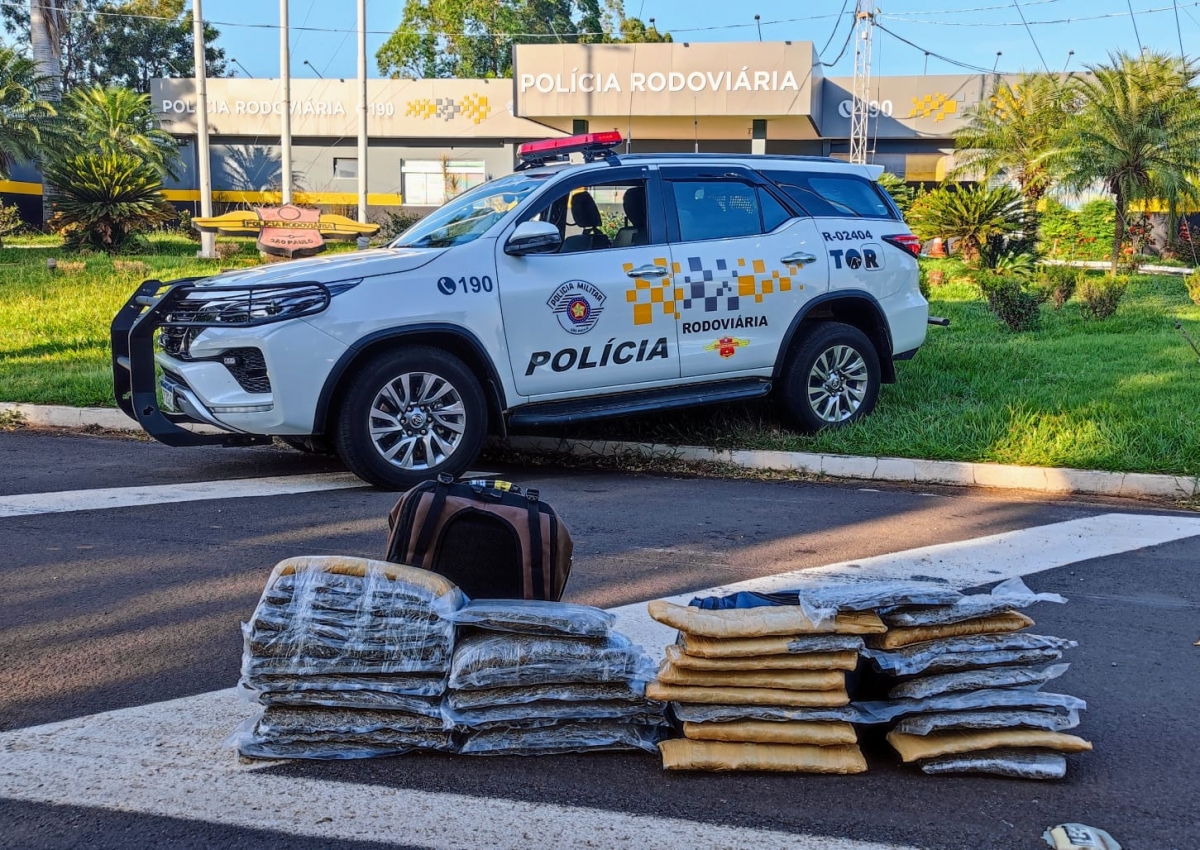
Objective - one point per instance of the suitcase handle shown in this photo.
(493, 487)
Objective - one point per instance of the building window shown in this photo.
(432, 182)
(345, 169)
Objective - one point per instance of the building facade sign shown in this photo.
(395, 108)
(678, 79)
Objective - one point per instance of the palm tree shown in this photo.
(1013, 133)
(24, 116)
(119, 120)
(1136, 132)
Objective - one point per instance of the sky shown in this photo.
(966, 31)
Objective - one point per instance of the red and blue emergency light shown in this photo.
(589, 144)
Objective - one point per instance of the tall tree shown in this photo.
(121, 42)
(47, 22)
(25, 116)
(1013, 133)
(1136, 133)
(475, 38)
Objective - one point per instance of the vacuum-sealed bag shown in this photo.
(1008, 621)
(761, 622)
(569, 736)
(885, 712)
(1051, 720)
(704, 713)
(972, 680)
(919, 747)
(319, 733)
(610, 691)
(821, 734)
(686, 754)
(339, 615)
(975, 651)
(535, 617)
(494, 660)
(551, 712)
(746, 696)
(841, 593)
(843, 660)
(792, 680)
(1018, 764)
(1008, 595)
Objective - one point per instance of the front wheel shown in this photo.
(409, 415)
(831, 378)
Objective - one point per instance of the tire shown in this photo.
(308, 445)
(814, 403)
(380, 415)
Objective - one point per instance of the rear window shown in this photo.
(833, 195)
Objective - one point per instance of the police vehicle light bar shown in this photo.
(571, 144)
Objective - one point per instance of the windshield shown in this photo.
(469, 216)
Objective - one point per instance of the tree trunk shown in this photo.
(45, 18)
(1118, 229)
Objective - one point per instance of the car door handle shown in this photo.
(798, 259)
(648, 271)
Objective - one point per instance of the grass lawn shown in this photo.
(1121, 394)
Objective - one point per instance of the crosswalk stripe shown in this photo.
(162, 494)
(168, 758)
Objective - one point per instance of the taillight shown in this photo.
(905, 242)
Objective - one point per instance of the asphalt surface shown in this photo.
(104, 609)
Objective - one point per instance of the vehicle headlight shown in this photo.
(243, 306)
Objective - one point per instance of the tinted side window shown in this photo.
(773, 213)
(833, 195)
(716, 210)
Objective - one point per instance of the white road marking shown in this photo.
(966, 563)
(163, 494)
(168, 758)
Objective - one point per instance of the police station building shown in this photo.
(430, 139)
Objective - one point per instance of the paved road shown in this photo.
(117, 609)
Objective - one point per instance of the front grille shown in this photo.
(248, 368)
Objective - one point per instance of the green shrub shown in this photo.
(899, 191)
(1022, 264)
(980, 218)
(395, 223)
(1011, 300)
(1192, 282)
(1100, 296)
(1059, 283)
(105, 199)
(10, 221)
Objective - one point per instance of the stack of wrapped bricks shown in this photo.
(967, 687)
(352, 658)
(548, 677)
(761, 688)
(349, 658)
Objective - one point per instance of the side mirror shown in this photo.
(533, 237)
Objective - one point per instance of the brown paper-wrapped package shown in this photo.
(916, 747)
(792, 680)
(808, 661)
(1013, 621)
(760, 622)
(744, 648)
(820, 734)
(683, 754)
(746, 696)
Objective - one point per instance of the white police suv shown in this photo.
(563, 293)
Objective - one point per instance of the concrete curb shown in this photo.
(58, 416)
(1133, 485)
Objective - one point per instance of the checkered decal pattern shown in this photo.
(474, 107)
(727, 287)
(936, 106)
(421, 108)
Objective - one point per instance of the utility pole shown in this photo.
(362, 111)
(203, 165)
(285, 74)
(864, 21)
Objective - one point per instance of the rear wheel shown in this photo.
(831, 378)
(409, 415)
